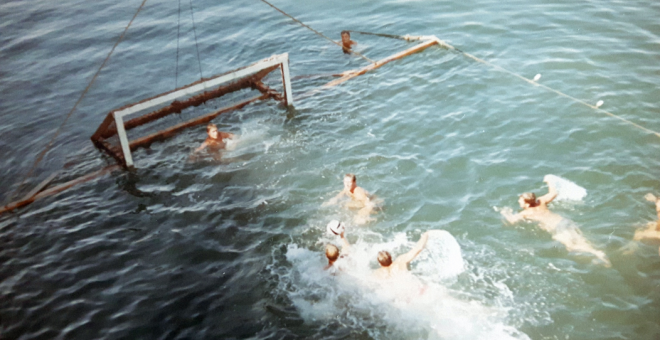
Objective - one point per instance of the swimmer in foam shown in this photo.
(394, 268)
(215, 140)
(360, 199)
(561, 229)
(331, 251)
(395, 275)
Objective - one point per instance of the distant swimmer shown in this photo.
(653, 228)
(561, 229)
(215, 140)
(346, 41)
(331, 251)
(360, 199)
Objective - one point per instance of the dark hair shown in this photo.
(352, 176)
(384, 258)
(530, 198)
(346, 32)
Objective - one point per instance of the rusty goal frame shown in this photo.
(246, 77)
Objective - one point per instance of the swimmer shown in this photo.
(561, 229)
(399, 267)
(653, 228)
(215, 139)
(359, 199)
(331, 251)
(346, 42)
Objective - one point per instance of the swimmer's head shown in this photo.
(212, 130)
(384, 258)
(528, 200)
(350, 181)
(332, 253)
(345, 36)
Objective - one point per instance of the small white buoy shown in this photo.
(537, 77)
(600, 102)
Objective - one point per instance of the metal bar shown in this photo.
(240, 73)
(352, 74)
(286, 80)
(147, 140)
(178, 106)
(57, 189)
(103, 127)
(123, 140)
(41, 186)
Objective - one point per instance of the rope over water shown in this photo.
(580, 101)
(82, 95)
(317, 32)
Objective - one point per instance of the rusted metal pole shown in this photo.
(41, 186)
(178, 106)
(57, 189)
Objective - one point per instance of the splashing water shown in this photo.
(418, 306)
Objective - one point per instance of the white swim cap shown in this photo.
(335, 227)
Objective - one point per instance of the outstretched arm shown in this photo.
(552, 192)
(409, 256)
(201, 147)
(510, 216)
(334, 199)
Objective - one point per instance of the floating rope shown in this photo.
(199, 61)
(317, 32)
(531, 81)
(178, 26)
(82, 95)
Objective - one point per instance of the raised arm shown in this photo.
(409, 256)
(552, 192)
(345, 246)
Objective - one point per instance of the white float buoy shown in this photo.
(537, 77)
(600, 102)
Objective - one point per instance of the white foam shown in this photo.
(566, 190)
(353, 296)
(442, 260)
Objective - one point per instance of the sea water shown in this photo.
(233, 248)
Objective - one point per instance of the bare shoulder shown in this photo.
(360, 193)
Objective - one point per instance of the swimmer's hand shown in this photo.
(509, 216)
(650, 197)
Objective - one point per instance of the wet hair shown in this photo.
(384, 258)
(346, 32)
(331, 252)
(530, 198)
(352, 176)
(210, 126)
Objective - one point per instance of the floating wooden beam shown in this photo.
(352, 74)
